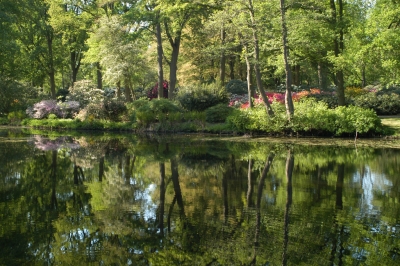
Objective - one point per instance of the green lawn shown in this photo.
(392, 122)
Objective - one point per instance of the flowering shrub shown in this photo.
(85, 92)
(242, 100)
(69, 109)
(352, 92)
(153, 93)
(43, 108)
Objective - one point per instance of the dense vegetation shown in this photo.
(221, 64)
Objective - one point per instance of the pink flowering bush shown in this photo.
(44, 108)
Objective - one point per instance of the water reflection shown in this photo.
(131, 201)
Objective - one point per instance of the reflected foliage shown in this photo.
(156, 201)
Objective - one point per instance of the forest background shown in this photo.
(89, 60)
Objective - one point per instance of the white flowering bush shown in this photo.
(85, 92)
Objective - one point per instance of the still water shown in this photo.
(129, 200)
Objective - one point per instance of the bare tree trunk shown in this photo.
(99, 76)
(51, 70)
(268, 108)
(288, 93)
(159, 58)
(248, 77)
(222, 58)
(322, 76)
(338, 46)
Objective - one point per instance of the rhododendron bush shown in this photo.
(241, 101)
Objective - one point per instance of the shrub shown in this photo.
(85, 92)
(153, 93)
(236, 86)
(354, 119)
(217, 113)
(257, 120)
(153, 111)
(382, 104)
(16, 117)
(69, 109)
(201, 97)
(90, 112)
(114, 109)
(43, 108)
(313, 116)
(14, 96)
(352, 92)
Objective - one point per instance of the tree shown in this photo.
(288, 93)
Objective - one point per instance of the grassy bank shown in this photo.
(393, 123)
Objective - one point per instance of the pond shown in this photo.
(128, 200)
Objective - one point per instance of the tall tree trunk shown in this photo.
(232, 67)
(118, 89)
(173, 64)
(222, 58)
(159, 58)
(51, 70)
(288, 93)
(128, 94)
(338, 48)
(268, 108)
(322, 76)
(75, 62)
(248, 78)
(99, 76)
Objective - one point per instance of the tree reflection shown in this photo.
(118, 202)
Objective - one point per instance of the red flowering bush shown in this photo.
(153, 93)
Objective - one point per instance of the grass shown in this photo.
(393, 123)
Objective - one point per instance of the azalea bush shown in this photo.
(44, 108)
(153, 92)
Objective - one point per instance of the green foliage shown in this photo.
(16, 117)
(201, 97)
(354, 119)
(382, 104)
(236, 86)
(3, 121)
(218, 113)
(14, 96)
(114, 109)
(147, 112)
(90, 124)
(257, 120)
(310, 118)
(313, 117)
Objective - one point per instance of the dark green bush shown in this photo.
(14, 96)
(201, 97)
(382, 104)
(218, 113)
(154, 111)
(236, 86)
(114, 109)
